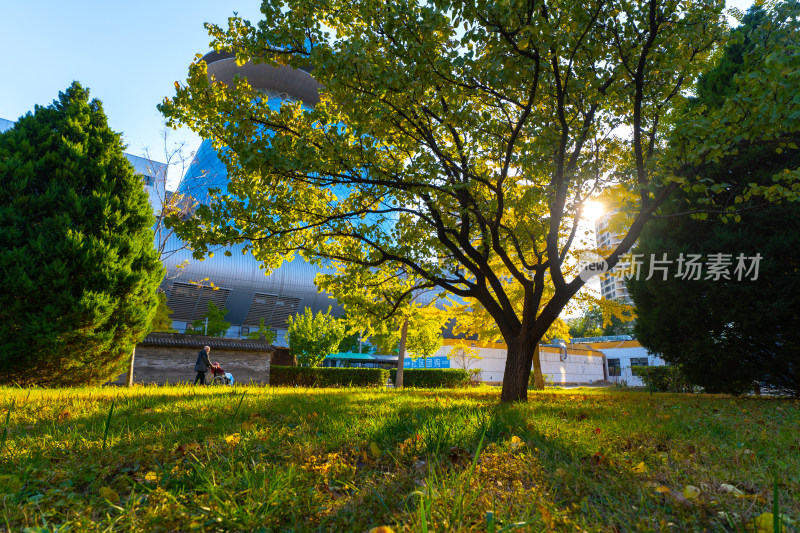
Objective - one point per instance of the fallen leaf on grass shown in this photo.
(459, 455)
(381, 529)
(547, 517)
(662, 489)
(641, 468)
(188, 447)
(730, 489)
(233, 439)
(374, 450)
(596, 459)
(764, 523)
(516, 442)
(109, 494)
(151, 476)
(597, 431)
(690, 492)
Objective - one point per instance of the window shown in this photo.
(245, 331)
(638, 361)
(614, 368)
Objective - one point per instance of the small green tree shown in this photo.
(463, 355)
(264, 332)
(161, 320)
(217, 327)
(311, 337)
(76, 247)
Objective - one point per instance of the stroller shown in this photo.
(219, 376)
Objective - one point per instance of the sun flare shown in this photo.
(593, 210)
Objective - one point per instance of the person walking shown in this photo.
(202, 365)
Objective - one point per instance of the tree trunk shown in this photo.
(129, 379)
(538, 378)
(521, 352)
(398, 382)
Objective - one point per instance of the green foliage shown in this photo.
(424, 338)
(217, 327)
(668, 378)
(429, 378)
(76, 247)
(455, 144)
(312, 337)
(727, 334)
(351, 344)
(161, 320)
(594, 323)
(463, 356)
(327, 377)
(548, 380)
(264, 332)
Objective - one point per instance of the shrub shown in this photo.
(547, 378)
(433, 378)
(327, 377)
(313, 337)
(662, 378)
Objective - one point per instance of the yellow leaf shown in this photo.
(151, 476)
(765, 523)
(547, 517)
(690, 492)
(516, 442)
(661, 489)
(109, 494)
(641, 468)
(381, 529)
(233, 440)
(373, 448)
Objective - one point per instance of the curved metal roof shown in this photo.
(297, 84)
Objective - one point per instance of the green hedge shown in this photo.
(662, 378)
(327, 377)
(431, 378)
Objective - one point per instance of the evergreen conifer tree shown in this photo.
(76, 247)
(727, 334)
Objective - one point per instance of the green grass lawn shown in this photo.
(250, 459)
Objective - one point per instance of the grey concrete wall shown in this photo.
(161, 365)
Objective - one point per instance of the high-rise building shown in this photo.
(612, 283)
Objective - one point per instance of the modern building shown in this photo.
(612, 283)
(621, 354)
(239, 284)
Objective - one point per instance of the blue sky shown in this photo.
(128, 53)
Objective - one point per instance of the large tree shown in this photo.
(76, 247)
(728, 332)
(454, 136)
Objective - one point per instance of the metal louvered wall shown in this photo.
(189, 302)
(273, 309)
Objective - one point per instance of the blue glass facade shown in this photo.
(239, 285)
